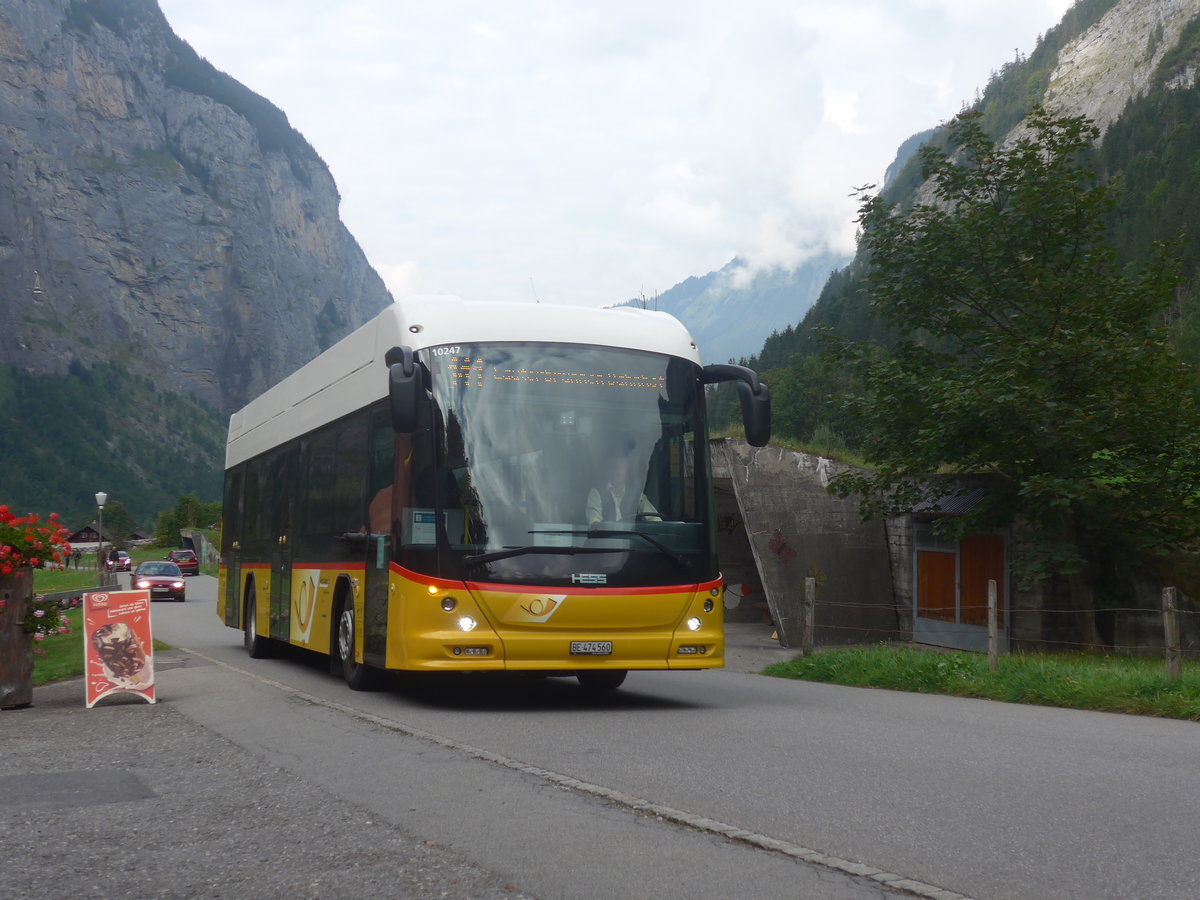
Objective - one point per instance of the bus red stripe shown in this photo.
(447, 584)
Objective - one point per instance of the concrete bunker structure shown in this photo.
(897, 579)
(777, 525)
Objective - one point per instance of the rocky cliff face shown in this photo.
(1115, 61)
(156, 213)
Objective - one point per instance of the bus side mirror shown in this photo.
(753, 395)
(404, 388)
(756, 412)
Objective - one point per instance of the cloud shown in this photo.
(841, 109)
(605, 151)
(680, 214)
(401, 277)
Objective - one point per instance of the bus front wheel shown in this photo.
(359, 676)
(601, 679)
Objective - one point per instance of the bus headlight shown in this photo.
(448, 603)
(466, 623)
(693, 623)
(708, 606)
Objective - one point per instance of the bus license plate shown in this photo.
(591, 648)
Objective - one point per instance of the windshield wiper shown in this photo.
(508, 552)
(620, 532)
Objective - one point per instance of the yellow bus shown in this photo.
(483, 487)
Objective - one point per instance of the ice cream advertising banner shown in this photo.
(118, 653)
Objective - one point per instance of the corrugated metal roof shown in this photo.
(951, 505)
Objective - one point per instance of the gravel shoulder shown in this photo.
(126, 800)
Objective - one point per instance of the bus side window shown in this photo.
(349, 491)
(317, 517)
(257, 541)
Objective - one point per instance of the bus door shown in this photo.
(381, 514)
(231, 548)
(281, 478)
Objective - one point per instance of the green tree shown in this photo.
(1027, 354)
(188, 512)
(118, 522)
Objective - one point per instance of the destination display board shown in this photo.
(476, 367)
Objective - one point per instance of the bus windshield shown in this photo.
(560, 464)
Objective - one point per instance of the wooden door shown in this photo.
(936, 588)
(982, 559)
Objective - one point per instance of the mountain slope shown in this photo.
(1129, 64)
(731, 311)
(149, 201)
(159, 217)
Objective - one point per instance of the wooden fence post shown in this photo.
(809, 618)
(993, 636)
(1171, 632)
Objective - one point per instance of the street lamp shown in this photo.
(101, 499)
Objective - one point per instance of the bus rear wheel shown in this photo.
(257, 646)
(359, 676)
(601, 679)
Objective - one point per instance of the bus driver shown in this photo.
(615, 501)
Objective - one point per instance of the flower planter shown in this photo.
(16, 644)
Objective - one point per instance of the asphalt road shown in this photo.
(713, 784)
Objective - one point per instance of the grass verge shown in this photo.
(52, 581)
(61, 655)
(1103, 683)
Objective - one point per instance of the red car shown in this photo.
(163, 580)
(186, 560)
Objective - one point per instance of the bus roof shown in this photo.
(351, 374)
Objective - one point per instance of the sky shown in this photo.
(589, 153)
